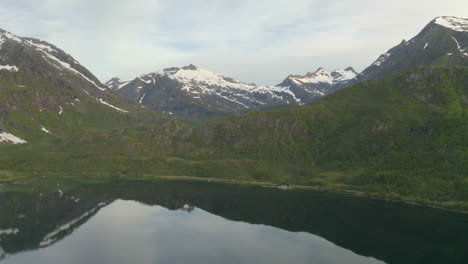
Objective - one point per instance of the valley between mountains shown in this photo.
(397, 130)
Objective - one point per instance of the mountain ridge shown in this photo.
(211, 91)
(443, 42)
(440, 42)
(46, 94)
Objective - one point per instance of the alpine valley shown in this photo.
(397, 130)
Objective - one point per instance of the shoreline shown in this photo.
(395, 198)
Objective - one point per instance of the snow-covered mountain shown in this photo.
(316, 84)
(444, 41)
(45, 91)
(28, 53)
(192, 92)
(323, 76)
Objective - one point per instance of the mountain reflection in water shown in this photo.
(181, 222)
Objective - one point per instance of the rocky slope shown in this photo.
(45, 92)
(195, 93)
(443, 42)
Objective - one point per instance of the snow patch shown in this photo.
(9, 138)
(145, 81)
(459, 47)
(454, 23)
(381, 59)
(9, 68)
(122, 85)
(112, 106)
(45, 130)
(141, 99)
(4, 35)
(10, 231)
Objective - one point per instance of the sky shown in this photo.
(255, 41)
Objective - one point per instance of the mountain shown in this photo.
(443, 42)
(313, 86)
(195, 93)
(45, 92)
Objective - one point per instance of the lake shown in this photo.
(66, 221)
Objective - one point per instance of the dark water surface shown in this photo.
(192, 222)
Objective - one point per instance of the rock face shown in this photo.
(443, 42)
(194, 93)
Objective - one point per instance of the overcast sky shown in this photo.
(251, 40)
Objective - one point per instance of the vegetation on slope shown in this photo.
(401, 136)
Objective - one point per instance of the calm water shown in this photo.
(182, 222)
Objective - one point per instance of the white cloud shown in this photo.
(255, 41)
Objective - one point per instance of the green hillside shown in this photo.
(403, 136)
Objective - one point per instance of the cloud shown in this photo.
(255, 41)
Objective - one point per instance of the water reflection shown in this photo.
(130, 232)
(181, 222)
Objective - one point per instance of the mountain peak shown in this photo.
(351, 69)
(442, 42)
(451, 22)
(323, 76)
(190, 67)
(319, 71)
(4, 35)
(39, 51)
(116, 83)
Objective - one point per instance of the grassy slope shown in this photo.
(403, 136)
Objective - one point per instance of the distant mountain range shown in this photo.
(194, 93)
